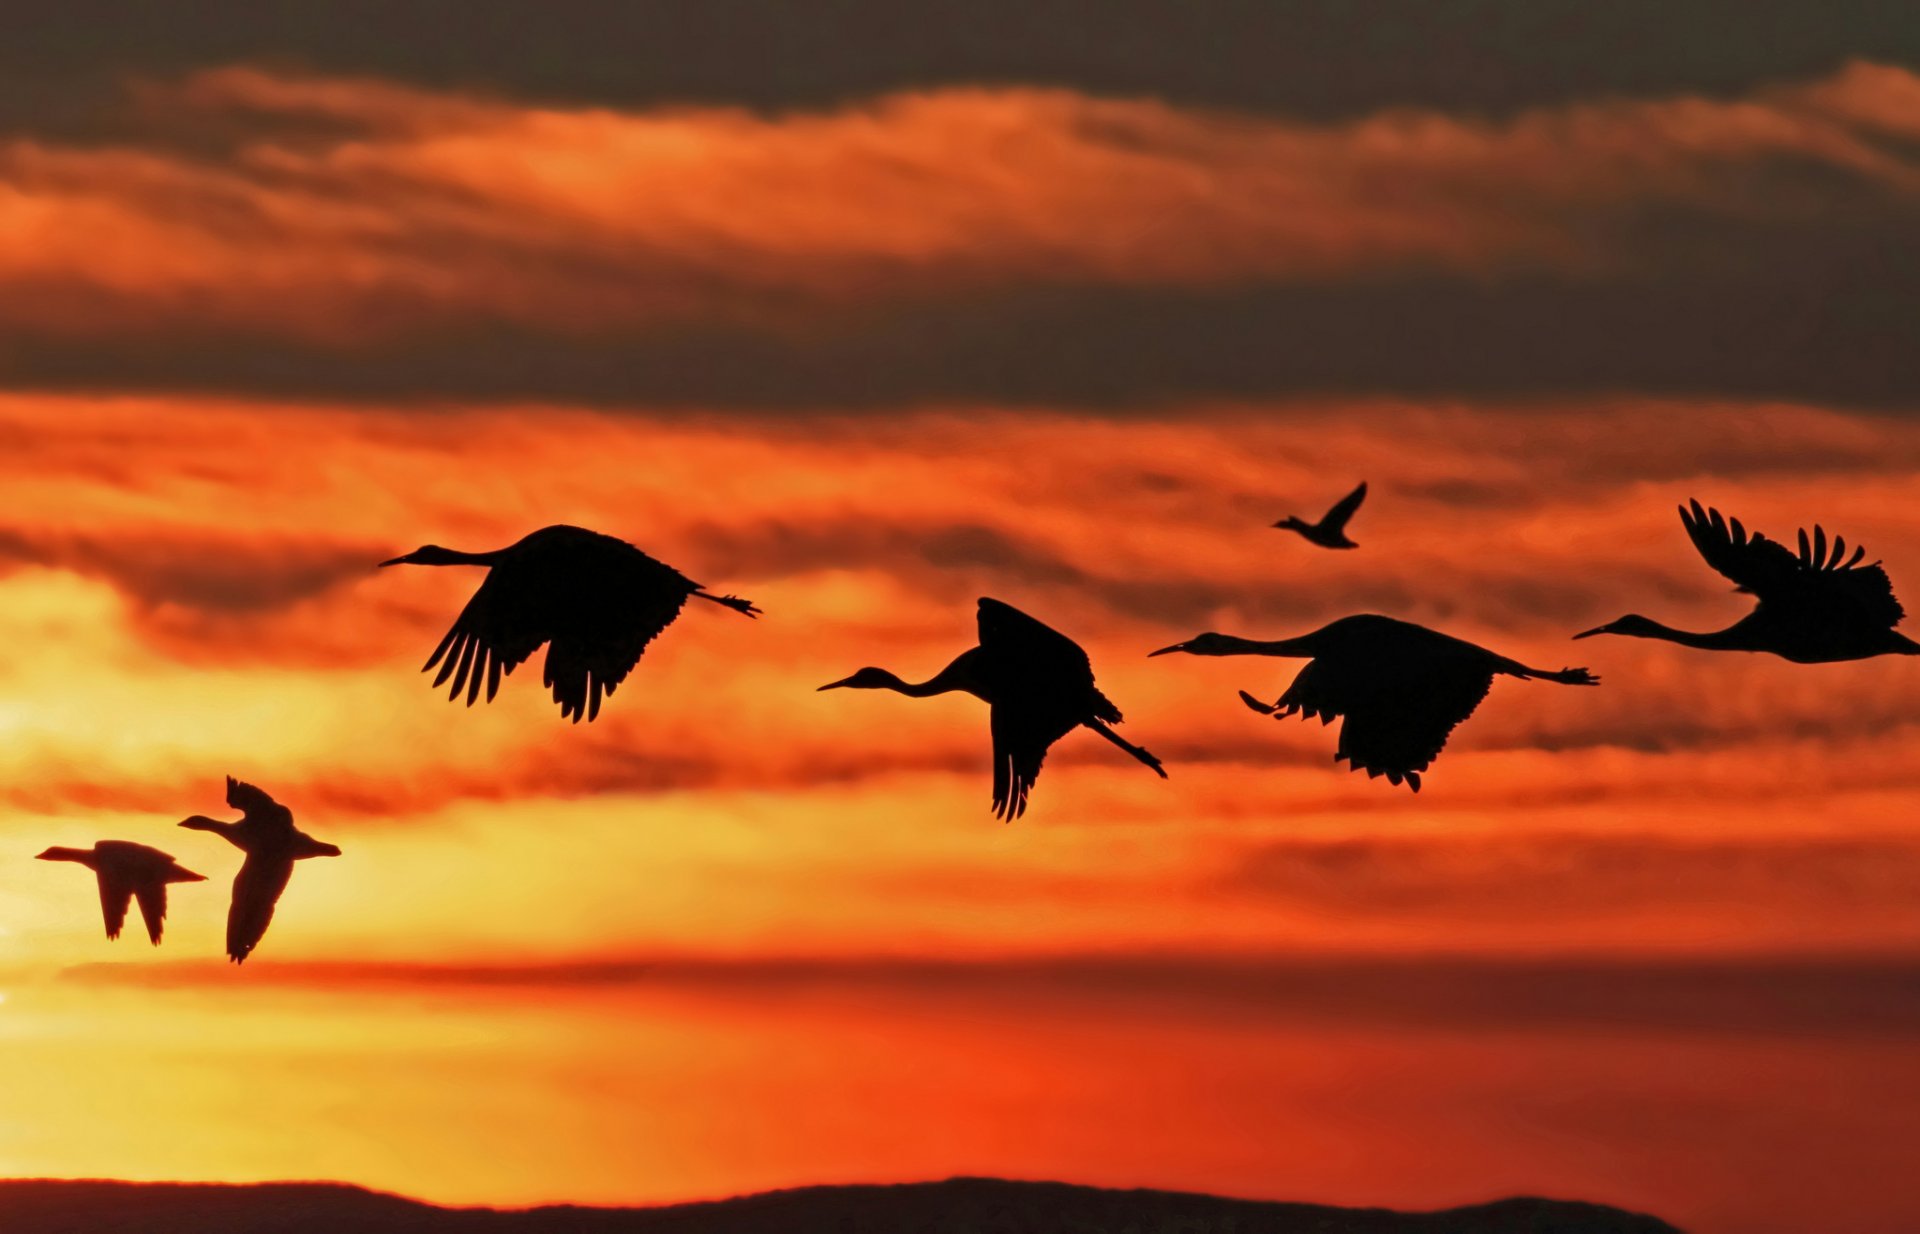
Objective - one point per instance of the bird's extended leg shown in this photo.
(1100, 727)
(1265, 709)
(733, 602)
(1566, 676)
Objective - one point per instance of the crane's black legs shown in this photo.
(1100, 727)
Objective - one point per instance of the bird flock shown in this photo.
(1398, 689)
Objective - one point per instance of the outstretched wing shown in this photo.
(1820, 576)
(1396, 716)
(1337, 517)
(115, 894)
(256, 889)
(1021, 739)
(1024, 650)
(596, 601)
(606, 634)
(494, 634)
(153, 907)
(256, 805)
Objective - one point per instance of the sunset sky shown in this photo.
(863, 318)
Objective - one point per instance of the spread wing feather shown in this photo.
(1821, 576)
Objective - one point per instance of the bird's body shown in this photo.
(1038, 684)
(128, 872)
(594, 600)
(266, 834)
(1400, 689)
(1331, 530)
(1815, 607)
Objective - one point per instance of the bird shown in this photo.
(1400, 689)
(595, 600)
(1815, 607)
(1330, 531)
(127, 871)
(266, 834)
(1038, 684)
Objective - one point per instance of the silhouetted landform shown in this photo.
(1814, 607)
(1402, 688)
(1331, 530)
(127, 871)
(1039, 686)
(594, 600)
(956, 1206)
(266, 834)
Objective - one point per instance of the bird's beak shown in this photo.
(835, 685)
(395, 561)
(191, 877)
(46, 856)
(1592, 632)
(1165, 650)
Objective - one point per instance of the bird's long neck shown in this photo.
(200, 822)
(953, 677)
(1232, 645)
(458, 557)
(1733, 638)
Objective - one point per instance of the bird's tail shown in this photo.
(733, 602)
(1100, 727)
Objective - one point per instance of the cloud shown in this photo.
(911, 245)
(1578, 874)
(1758, 997)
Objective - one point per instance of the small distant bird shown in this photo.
(127, 871)
(596, 601)
(1401, 688)
(1038, 684)
(266, 834)
(1815, 607)
(1331, 531)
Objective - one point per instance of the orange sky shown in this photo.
(740, 934)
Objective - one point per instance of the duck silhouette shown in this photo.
(1331, 530)
(1038, 685)
(1814, 607)
(126, 872)
(266, 834)
(594, 600)
(1400, 688)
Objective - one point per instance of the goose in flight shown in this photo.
(126, 872)
(594, 600)
(1330, 531)
(1399, 689)
(1814, 607)
(266, 834)
(1038, 686)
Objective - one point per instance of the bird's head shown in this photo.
(1633, 625)
(1292, 522)
(865, 679)
(60, 854)
(428, 555)
(1204, 645)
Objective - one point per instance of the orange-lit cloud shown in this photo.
(344, 210)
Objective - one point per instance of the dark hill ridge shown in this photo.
(957, 1206)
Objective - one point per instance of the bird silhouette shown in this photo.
(1400, 689)
(1330, 531)
(1038, 684)
(594, 600)
(266, 834)
(127, 871)
(1815, 607)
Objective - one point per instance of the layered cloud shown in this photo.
(428, 240)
